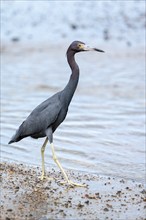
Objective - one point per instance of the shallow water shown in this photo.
(104, 129)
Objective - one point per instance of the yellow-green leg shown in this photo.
(62, 170)
(43, 161)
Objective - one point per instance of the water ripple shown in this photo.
(104, 130)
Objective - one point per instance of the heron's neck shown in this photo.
(72, 63)
(74, 78)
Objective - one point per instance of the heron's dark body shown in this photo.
(47, 116)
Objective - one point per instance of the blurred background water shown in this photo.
(104, 131)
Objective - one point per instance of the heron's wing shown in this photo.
(41, 117)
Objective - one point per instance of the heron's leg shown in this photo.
(62, 170)
(43, 161)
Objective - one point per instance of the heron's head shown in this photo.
(78, 46)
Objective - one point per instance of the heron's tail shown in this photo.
(15, 138)
(20, 134)
(11, 141)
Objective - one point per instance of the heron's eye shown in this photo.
(79, 45)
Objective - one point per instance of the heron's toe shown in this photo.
(73, 184)
(43, 177)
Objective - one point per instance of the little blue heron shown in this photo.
(46, 117)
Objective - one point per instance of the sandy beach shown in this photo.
(25, 196)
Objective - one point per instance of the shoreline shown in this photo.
(25, 196)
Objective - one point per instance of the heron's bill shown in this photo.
(88, 48)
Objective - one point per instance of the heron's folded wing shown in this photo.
(41, 117)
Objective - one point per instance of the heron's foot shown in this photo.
(73, 184)
(42, 177)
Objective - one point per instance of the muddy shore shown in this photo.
(25, 196)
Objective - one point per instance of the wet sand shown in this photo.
(25, 196)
